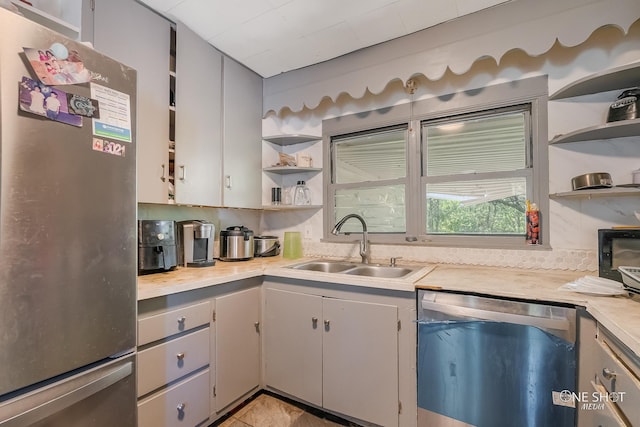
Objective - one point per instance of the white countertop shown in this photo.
(187, 279)
(620, 315)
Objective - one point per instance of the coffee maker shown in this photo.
(156, 246)
(195, 243)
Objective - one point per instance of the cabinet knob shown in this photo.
(326, 324)
(181, 407)
(609, 374)
(180, 356)
(257, 326)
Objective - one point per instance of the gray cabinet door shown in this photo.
(132, 34)
(293, 344)
(237, 346)
(360, 360)
(198, 120)
(242, 167)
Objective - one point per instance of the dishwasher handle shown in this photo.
(558, 324)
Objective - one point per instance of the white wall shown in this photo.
(573, 222)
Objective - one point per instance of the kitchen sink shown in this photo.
(379, 271)
(354, 269)
(325, 266)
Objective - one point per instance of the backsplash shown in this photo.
(557, 259)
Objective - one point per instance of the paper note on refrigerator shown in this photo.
(115, 113)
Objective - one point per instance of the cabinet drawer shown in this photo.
(185, 404)
(602, 414)
(616, 377)
(160, 326)
(166, 362)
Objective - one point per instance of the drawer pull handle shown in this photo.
(180, 356)
(181, 407)
(609, 374)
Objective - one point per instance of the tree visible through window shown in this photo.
(476, 172)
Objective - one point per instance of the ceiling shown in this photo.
(274, 36)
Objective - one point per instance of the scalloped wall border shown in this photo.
(533, 26)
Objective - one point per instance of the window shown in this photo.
(370, 178)
(476, 171)
(454, 170)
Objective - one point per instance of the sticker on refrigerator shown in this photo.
(115, 113)
(56, 65)
(83, 106)
(109, 147)
(46, 101)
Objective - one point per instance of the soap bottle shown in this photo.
(301, 194)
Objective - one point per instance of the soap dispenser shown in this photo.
(301, 194)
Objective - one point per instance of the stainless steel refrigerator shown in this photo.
(67, 233)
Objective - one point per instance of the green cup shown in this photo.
(292, 245)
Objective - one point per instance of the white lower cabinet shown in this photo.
(360, 360)
(182, 404)
(172, 365)
(237, 346)
(198, 353)
(203, 352)
(338, 354)
(166, 362)
(609, 378)
(293, 344)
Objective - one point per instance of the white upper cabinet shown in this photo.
(242, 124)
(132, 34)
(217, 116)
(198, 112)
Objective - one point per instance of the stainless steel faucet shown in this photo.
(364, 243)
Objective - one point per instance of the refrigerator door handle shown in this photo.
(44, 402)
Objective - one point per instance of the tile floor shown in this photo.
(268, 410)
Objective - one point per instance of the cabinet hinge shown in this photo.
(399, 324)
(399, 407)
(213, 316)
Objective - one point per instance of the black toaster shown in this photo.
(627, 106)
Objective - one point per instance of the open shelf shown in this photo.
(622, 77)
(290, 207)
(290, 139)
(287, 170)
(621, 129)
(597, 192)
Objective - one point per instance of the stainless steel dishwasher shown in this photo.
(490, 362)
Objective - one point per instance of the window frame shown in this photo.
(527, 173)
(531, 91)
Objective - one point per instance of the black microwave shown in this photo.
(617, 247)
